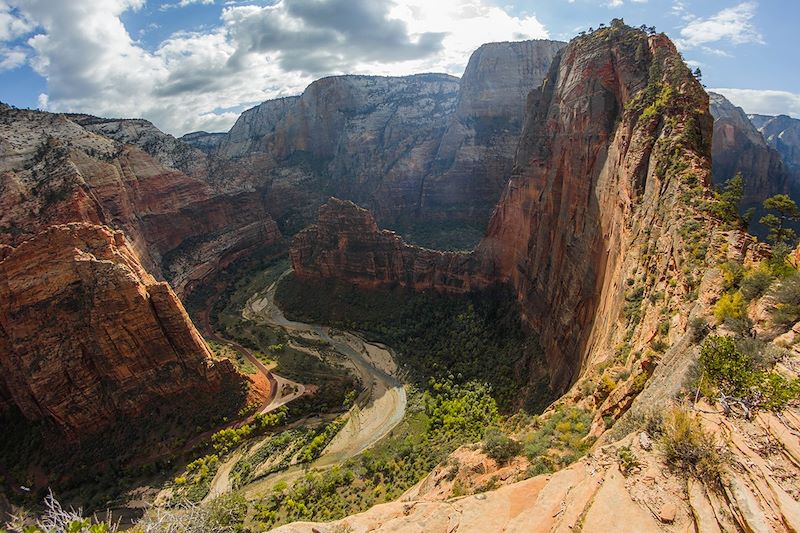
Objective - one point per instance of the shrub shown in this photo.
(786, 311)
(627, 460)
(731, 305)
(755, 284)
(699, 328)
(737, 374)
(560, 440)
(500, 447)
(689, 449)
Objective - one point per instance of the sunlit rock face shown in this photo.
(598, 195)
(88, 337)
(416, 148)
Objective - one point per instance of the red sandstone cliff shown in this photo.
(54, 171)
(88, 337)
(613, 163)
(347, 244)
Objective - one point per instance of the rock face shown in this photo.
(783, 134)
(411, 148)
(595, 494)
(613, 161)
(739, 147)
(57, 169)
(347, 244)
(88, 337)
(476, 153)
(611, 141)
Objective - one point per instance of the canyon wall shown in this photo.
(613, 163)
(782, 133)
(346, 244)
(88, 337)
(739, 147)
(56, 169)
(414, 148)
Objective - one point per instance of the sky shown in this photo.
(189, 65)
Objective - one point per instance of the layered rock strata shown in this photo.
(88, 337)
(613, 164)
(738, 147)
(56, 169)
(411, 148)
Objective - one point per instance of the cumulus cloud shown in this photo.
(732, 25)
(763, 102)
(256, 52)
(12, 23)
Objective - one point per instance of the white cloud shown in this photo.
(92, 64)
(185, 3)
(11, 58)
(12, 25)
(733, 25)
(42, 101)
(763, 102)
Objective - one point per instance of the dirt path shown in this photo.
(376, 412)
(282, 390)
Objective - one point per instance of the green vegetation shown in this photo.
(227, 439)
(501, 447)
(743, 376)
(558, 440)
(627, 460)
(727, 201)
(781, 210)
(687, 448)
(438, 421)
(195, 482)
(786, 311)
(730, 306)
(473, 337)
(444, 235)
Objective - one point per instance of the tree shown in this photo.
(780, 211)
(728, 199)
(698, 74)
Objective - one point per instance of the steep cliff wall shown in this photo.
(614, 140)
(739, 147)
(782, 133)
(88, 337)
(423, 147)
(603, 208)
(476, 153)
(347, 244)
(57, 169)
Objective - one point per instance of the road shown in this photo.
(282, 390)
(377, 411)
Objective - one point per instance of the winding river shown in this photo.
(375, 413)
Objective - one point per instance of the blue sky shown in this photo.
(195, 64)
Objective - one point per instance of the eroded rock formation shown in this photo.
(56, 169)
(411, 148)
(612, 163)
(739, 147)
(347, 244)
(88, 337)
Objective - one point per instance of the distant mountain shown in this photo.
(427, 148)
(739, 147)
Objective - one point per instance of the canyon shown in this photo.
(596, 198)
(586, 167)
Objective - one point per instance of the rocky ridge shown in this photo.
(89, 338)
(411, 148)
(739, 147)
(57, 169)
